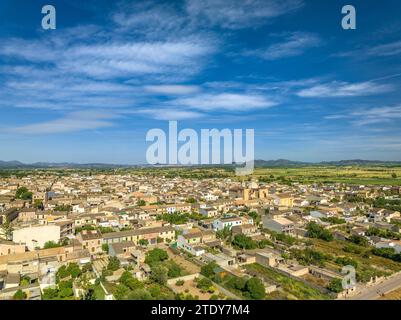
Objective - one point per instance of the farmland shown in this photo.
(349, 175)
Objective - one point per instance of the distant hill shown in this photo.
(284, 163)
(11, 164)
(279, 163)
(356, 162)
(359, 162)
(44, 165)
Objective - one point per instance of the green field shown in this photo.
(349, 175)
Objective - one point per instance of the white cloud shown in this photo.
(292, 45)
(172, 89)
(73, 122)
(344, 89)
(376, 115)
(170, 114)
(101, 59)
(382, 50)
(237, 14)
(225, 102)
(370, 116)
(152, 20)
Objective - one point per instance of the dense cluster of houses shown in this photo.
(83, 213)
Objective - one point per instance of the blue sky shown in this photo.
(91, 89)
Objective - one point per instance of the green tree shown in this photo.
(255, 288)
(25, 281)
(141, 203)
(244, 242)
(7, 228)
(143, 242)
(155, 255)
(346, 261)
(237, 283)
(139, 294)
(74, 270)
(159, 275)
(317, 231)
(121, 291)
(359, 240)
(335, 285)
(179, 283)
(19, 295)
(203, 283)
(51, 244)
(224, 233)
(129, 281)
(62, 273)
(114, 264)
(255, 216)
(50, 294)
(23, 194)
(208, 269)
(174, 270)
(105, 247)
(66, 293)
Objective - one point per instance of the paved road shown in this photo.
(375, 292)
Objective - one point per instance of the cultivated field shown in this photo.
(351, 175)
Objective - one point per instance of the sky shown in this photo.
(90, 90)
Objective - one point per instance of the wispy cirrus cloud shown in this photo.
(104, 60)
(170, 114)
(238, 14)
(292, 44)
(370, 116)
(89, 67)
(237, 102)
(73, 122)
(172, 89)
(152, 20)
(337, 89)
(376, 115)
(382, 50)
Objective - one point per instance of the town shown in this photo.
(146, 234)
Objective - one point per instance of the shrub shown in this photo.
(255, 288)
(316, 231)
(335, 285)
(179, 283)
(114, 264)
(156, 255)
(19, 295)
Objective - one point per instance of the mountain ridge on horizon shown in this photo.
(14, 164)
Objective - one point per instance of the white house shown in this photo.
(190, 243)
(220, 224)
(78, 208)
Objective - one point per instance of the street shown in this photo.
(376, 291)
